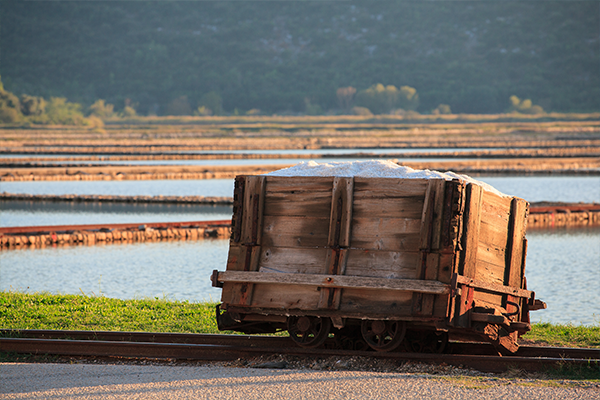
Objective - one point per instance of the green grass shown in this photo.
(564, 335)
(79, 312)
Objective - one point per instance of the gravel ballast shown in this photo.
(110, 381)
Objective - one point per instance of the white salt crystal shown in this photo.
(374, 169)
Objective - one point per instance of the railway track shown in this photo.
(205, 347)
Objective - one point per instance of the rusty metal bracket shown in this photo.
(215, 279)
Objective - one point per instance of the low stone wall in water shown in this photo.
(82, 237)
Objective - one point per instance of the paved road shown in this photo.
(89, 381)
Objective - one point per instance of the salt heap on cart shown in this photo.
(376, 253)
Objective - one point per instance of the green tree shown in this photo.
(32, 105)
(101, 109)
(523, 106)
(442, 109)
(382, 99)
(213, 102)
(60, 111)
(408, 98)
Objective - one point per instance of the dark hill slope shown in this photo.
(272, 55)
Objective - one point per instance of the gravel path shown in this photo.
(89, 381)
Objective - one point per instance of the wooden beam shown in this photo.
(341, 212)
(492, 287)
(470, 235)
(339, 281)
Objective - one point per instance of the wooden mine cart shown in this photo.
(376, 260)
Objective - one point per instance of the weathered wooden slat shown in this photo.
(493, 255)
(341, 212)
(430, 235)
(341, 281)
(384, 264)
(488, 286)
(283, 231)
(489, 272)
(376, 302)
(299, 204)
(389, 187)
(491, 199)
(282, 184)
(253, 209)
(493, 234)
(519, 210)
(331, 297)
(400, 207)
(288, 297)
(514, 252)
(438, 186)
(385, 233)
(236, 257)
(250, 237)
(293, 260)
(238, 208)
(471, 225)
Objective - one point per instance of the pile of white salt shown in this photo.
(374, 169)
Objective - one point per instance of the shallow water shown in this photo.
(29, 213)
(198, 187)
(531, 188)
(563, 268)
(176, 270)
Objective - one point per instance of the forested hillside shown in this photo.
(286, 56)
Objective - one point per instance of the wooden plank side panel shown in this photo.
(514, 269)
(309, 184)
(288, 297)
(389, 187)
(471, 227)
(383, 264)
(492, 299)
(340, 217)
(390, 234)
(253, 209)
(298, 204)
(490, 273)
(519, 211)
(400, 207)
(283, 231)
(438, 187)
(388, 302)
(494, 255)
(293, 260)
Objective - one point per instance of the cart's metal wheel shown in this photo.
(350, 339)
(308, 331)
(426, 341)
(383, 335)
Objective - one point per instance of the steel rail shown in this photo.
(233, 347)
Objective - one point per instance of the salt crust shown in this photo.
(375, 169)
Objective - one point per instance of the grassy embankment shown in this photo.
(79, 312)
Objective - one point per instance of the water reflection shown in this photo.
(176, 270)
(531, 188)
(563, 268)
(25, 213)
(162, 187)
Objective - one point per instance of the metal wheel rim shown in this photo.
(314, 336)
(391, 337)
